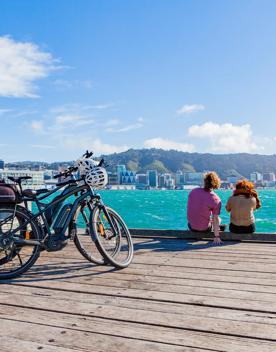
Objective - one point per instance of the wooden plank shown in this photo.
(13, 344)
(139, 331)
(9, 297)
(82, 340)
(105, 278)
(201, 296)
(227, 322)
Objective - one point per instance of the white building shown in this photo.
(36, 181)
(194, 178)
(256, 177)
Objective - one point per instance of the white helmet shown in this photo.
(86, 165)
(97, 177)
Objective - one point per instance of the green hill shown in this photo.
(243, 164)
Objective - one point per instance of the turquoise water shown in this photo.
(167, 209)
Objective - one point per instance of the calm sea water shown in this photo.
(167, 209)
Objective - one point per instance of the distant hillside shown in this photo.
(141, 160)
(243, 164)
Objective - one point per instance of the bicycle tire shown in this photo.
(16, 251)
(81, 234)
(116, 256)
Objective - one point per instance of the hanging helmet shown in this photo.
(85, 165)
(97, 177)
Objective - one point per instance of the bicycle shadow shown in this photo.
(51, 272)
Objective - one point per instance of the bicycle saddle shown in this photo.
(19, 179)
(32, 193)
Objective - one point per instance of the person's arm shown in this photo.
(216, 223)
(228, 206)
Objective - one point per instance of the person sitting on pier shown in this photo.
(241, 206)
(204, 207)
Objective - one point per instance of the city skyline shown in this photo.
(194, 76)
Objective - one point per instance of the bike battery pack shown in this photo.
(62, 217)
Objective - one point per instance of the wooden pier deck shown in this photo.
(178, 295)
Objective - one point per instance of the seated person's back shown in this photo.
(204, 203)
(241, 206)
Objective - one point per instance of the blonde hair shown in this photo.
(211, 181)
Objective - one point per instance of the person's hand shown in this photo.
(217, 241)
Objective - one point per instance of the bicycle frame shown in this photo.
(42, 209)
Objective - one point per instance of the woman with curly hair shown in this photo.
(204, 207)
(241, 205)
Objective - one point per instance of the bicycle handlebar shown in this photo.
(67, 172)
(87, 154)
(72, 169)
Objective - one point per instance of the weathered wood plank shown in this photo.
(105, 278)
(82, 340)
(226, 322)
(13, 344)
(10, 295)
(139, 331)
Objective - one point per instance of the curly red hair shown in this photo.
(246, 188)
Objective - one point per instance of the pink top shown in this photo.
(201, 205)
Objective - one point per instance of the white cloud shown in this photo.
(42, 146)
(21, 64)
(64, 84)
(112, 122)
(96, 145)
(5, 111)
(127, 128)
(72, 120)
(226, 138)
(189, 109)
(168, 144)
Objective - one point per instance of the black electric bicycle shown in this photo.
(77, 213)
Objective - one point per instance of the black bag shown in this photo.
(9, 193)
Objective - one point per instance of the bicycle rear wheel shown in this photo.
(112, 237)
(18, 251)
(82, 236)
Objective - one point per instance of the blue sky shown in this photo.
(108, 75)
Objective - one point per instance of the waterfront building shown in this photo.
(2, 164)
(141, 180)
(166, 181)
(269, 176)
(233, 179)
(119, 170)
(36, 181)
(152, 178)
(256, 177)
(194, 178)
(112, 178)
(179, 178)
(127, 177)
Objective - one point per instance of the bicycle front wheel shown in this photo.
(19, 249)
(82, 235)
(112, 236)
